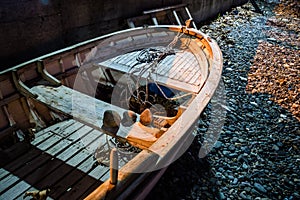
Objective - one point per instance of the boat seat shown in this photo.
(90, 111)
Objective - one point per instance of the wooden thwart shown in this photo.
(89, 111)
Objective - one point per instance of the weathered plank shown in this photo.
(3, 173)
(55, 127)
(85, 185)
(17, 192)
(7, 181)
(169, 68)
(81, 107)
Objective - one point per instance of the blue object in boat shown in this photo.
(154, 89)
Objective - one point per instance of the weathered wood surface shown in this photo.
(81, 107)
(187, 70)
(89, 111)
(61, 158)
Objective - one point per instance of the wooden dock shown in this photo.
(60, 158)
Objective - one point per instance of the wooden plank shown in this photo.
(49, 142)
(17, 191)
(9, 99)
(80, 134)
(3, 173)
(68, 130)
(82, 155)
(99, 172)
(85, 185)
(8, 181)
(57, 148)
(65, 155)
(40, 160)
(91, 141)
(81, 107)
(78, 146)
(159, 78)
(55, 127)
(20, 161)
(42, 138)
(163, 9)
(53, 179)
(163, 70)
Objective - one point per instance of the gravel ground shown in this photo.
(257, 155)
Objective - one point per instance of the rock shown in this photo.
(221, 195)
(260, 188)
(218, 145)
(243, 195)
(235, 181)
(111, 121)
(231, 147)
(245, 166)
(129, 118)
(146, 117)
(275, 147)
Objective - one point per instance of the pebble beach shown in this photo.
(257, 154)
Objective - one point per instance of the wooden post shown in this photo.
(114, 166)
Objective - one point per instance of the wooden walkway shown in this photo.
(61, 158)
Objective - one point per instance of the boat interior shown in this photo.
(54, 130)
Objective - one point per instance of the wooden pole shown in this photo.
(114, 166)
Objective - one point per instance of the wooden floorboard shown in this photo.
(185, 77)
(85, 185)
(63, 157)
(56, 127)
(23, 160)
(3, 173)
(17, 191)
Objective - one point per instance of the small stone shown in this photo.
(253, 103)
(243, 195)
(218, 145)
(271, 39)
(221, 195)
(235, 181)
(275, 147)
(232, 155)
(129, 118)
(283, 116)
(111, 119)
(230, 177)
(231, 147)
(245, 166)
(260, 188)
(146, 117)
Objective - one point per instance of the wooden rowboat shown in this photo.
(105, 117)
